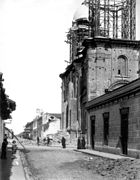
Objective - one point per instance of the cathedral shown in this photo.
(101, 85)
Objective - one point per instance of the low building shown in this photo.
(42, 125)
(115, 117)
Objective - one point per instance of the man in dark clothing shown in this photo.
(63, 142)
(83, 143)
(48, 141)
(37, 140)
(79, 143)
(4, 148)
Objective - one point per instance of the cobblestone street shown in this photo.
(55, 163)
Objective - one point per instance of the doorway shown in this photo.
(67, 115)
(124, 129)
(106, 127)
(92, 120)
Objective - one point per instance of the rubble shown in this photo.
(114, 169)
(25, 142)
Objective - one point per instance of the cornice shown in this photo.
(120, 92)
(110, 42)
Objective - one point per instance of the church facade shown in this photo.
(98, 91)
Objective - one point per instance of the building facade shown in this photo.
(115, 117)
(105, 65)
(42, 126)
(51, 124)
(99, 66)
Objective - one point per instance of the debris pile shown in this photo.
(126, 169)
(27, 142)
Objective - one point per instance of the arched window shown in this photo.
(122, 66)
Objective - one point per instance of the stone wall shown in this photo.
(103, 67)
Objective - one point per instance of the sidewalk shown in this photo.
(11, 168)
(102, 154)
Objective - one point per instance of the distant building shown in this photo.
(42, 125)
(34, 131)
(39, 126)
(50, 124)
(28, 131)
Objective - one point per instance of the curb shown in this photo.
(107, 157)
(27, 172)
(88, 153)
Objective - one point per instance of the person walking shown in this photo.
(83, 142)
(63, 142)
(79, 143)
(48, 141)
(4, 149)
(37, 140)
(14, 147)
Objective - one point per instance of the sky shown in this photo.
(33, 53)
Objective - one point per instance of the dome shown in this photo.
(81, 13)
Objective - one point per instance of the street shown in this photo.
(55, 163)
(59, 164)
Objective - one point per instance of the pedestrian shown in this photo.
(79, 143)
(63, 142)
(83, 142)
(14, 147)
(38, 140)
(4, 149)
(48, 141)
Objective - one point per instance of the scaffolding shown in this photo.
(112, 18)
(107, 18)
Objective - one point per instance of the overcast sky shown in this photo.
(32, 54)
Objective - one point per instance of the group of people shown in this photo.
(81, 143)
(45, 141)
(4, 147)
(48, 140)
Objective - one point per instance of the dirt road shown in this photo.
(63, 164)
(59, 164)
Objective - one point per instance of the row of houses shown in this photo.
(6, 107)
(43, 125)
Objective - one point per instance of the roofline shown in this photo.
(110, 41)
(69, 67)
(127, 89)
